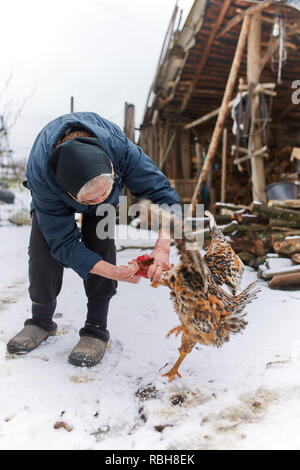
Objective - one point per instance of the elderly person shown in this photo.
(77, 162)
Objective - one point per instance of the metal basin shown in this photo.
(281, 191)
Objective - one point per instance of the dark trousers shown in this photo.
(46, 275)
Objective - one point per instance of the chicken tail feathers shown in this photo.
(247, 296)
(235, 322)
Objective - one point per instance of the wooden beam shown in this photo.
(224, 155)
(205, 54)
(261, 153)
(168, 150)
(129, 127)
(162, 147)
(198, 152)
(223, 111)
(255, 139)
(237, 19)
(185, 152)
(129, 130)
(206, 117)
(269, 53)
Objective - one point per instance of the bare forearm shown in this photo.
(164, 241)
(104, 269)
(161, 254)
(117, 273)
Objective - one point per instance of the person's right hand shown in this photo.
(127, 273)
(117, 273)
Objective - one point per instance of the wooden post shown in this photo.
(129, 130)
(150, 142)
(198, 152)
(156, 143)
(175, 157)
(185, 153)
(255, 139)
(224, 155)
(223, 111)
(163, 143)
(168, 150)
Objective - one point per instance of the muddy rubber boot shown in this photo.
(88, 352)
(28, 339)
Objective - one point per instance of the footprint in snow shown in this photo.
(112, 355)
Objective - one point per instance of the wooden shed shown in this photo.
(229, 55)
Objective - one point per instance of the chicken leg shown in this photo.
(186, 347)
(174, 371)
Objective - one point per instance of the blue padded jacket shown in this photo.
(56, 210)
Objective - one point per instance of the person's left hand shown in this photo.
(160, 264)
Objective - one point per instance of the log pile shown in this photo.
(258, 232)
(239, 184)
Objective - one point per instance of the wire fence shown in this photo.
(22, 135)
(16, 143)
(17, 211)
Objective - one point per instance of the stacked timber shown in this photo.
(239, 184)
(260, 232)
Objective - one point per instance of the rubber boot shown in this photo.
(29, 338)
(88, 352)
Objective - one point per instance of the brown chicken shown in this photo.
(224, 264)
(208, 315)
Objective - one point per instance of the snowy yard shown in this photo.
(243, 396)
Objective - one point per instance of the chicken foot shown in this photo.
(174, 371)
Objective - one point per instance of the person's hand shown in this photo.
(127, 273)
(117, 273)
(160, 265)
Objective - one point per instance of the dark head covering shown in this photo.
(77, 161)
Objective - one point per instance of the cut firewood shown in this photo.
(255, 247)
(269, 273)
(274, 212)
(251, 228)
(296, 258)
(285, 223)
(231, 207)
(288, 247)
(283, 280)
(286, 231)
(288, 203)
(266, 228)
(248, 218)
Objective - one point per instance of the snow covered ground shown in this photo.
(245, 395)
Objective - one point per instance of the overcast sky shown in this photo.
(103, 52)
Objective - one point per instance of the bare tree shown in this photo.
(9, 114)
